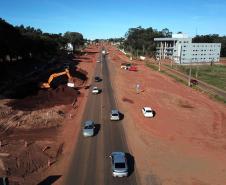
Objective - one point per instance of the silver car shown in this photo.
(119, 164)
(115, 115)
(89, 128)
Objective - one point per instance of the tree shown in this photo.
(75, 38)
(166, 32)
(26, 42)
(140, 41)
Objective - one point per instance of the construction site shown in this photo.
(41, 122)
(35, 111)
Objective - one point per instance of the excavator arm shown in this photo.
(55, 75)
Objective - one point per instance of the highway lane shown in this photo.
(91, 163)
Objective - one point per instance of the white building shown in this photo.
(181, 49)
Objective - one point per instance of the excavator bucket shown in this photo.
(45, 86)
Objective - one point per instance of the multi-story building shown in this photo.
(181, 49)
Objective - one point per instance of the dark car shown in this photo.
(194, 82)
(97, 79)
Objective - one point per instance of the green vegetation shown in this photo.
(75, 38)
(176, 78)
(152, 66)
(220, 99)
(140, 41)
(214, 75)
(22, 43)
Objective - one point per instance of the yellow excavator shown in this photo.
(70, 83)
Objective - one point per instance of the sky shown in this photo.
(112, 18)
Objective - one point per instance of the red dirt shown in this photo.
(184, 140)
(62, 95)
(42, 129)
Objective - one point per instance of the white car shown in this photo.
(148, 112)
(115, 116)
(96, 90)
(98, 61)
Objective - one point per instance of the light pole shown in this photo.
(189, 77)
(159, 66)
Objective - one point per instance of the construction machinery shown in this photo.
(70, 82)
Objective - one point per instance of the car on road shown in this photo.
(89, 128)
(147, 112)
(97, 79)
(132, 68)
(98, 61)
(115, 115)
(96, 90)
(125, 66)
(119, 164)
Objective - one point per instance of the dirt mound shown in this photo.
(62, 95)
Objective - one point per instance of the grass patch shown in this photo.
(175, 78)
(152, 66)
(214, 75)
(220, 99)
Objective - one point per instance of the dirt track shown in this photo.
(37, 130)
(185, 142)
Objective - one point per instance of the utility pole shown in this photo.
(189, 77)
(143, 50)
(159, 66)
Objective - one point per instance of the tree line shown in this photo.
(140, 41)
(21, 43)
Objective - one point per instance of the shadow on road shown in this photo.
(50, 180)
(97, 129)
(121, 116)
(131, 163)
(154, 113)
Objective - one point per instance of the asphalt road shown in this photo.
(91, 163)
